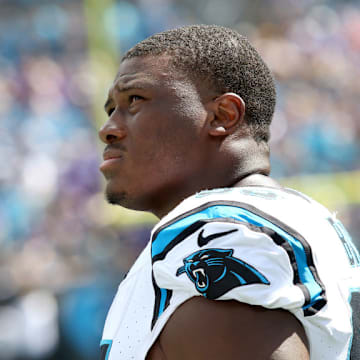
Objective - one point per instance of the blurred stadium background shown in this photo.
(63, 250)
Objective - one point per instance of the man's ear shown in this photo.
(228, 112)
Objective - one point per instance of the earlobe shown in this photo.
(228, 114)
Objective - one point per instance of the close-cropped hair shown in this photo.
(226, 60)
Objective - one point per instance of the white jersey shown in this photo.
(262, 246)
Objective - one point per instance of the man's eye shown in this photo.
(111, 111)
(134, 98)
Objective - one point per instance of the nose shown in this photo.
(110, 132)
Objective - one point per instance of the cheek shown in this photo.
(161, 143)
(180, 134)
(167, 139)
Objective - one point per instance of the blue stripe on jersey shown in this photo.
(163, 295)
(163, 238)
(166, 235)
(162, 300)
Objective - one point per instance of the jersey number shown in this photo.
(105, 347)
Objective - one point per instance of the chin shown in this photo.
(116, 198)
(122, 199)
(130, 199)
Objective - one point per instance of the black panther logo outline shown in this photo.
(215, 271)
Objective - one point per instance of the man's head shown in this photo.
(189, 110)
(225, 61)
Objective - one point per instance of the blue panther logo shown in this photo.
(215, 271)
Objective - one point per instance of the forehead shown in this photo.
(158, 75)
(152, 70)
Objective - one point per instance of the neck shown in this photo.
(225, 169)
(248, 179)
(256, 179)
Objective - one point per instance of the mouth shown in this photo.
(109, 162)
(112, 155)
(108, 155)
(200, 276)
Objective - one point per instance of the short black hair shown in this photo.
(224, 58)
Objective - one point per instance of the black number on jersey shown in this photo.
(355, 305)
(105, 347)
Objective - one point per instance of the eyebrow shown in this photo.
(133, 84)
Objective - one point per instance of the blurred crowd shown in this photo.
(62, 255)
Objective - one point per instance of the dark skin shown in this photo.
(229, 330)
(168, 137)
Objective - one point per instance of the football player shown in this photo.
(237, 267)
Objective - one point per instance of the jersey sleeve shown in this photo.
(234, 252)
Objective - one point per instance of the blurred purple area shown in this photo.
(59, 263)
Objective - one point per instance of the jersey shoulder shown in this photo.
(237, 243)
(258, 246)
(276, 204)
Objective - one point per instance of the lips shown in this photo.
(112, 154)
(111, 158)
